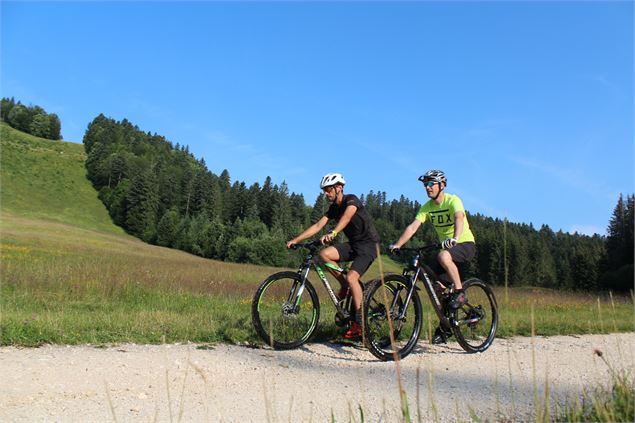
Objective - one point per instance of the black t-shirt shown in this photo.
(360, 228)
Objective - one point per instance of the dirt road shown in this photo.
(237, 384)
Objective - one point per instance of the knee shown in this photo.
(444, 257)
(352, 278)
(329, 254)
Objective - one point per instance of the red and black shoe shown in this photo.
(354, 332)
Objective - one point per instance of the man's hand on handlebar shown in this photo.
(448, 243)
(393, 248)
(290, 244)
(328, 238)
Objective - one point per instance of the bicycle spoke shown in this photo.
(478, 318)
(385, 332)
(281, 317)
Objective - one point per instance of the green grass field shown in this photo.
(69, 276)
(46, 179)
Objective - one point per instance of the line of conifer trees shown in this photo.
(30, 119)
(162, 194)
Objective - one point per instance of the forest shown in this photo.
(30, 119)
(159, 192)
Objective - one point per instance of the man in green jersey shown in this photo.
(447, 215)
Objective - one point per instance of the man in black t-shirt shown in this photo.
(351, 217)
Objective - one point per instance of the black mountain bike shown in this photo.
(285, 310)
(393, 316)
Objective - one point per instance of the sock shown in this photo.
(358, 316)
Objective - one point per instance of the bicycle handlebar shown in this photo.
(423, 248)
(310, 245)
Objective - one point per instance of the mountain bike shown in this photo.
(285, 309)
(393, 315)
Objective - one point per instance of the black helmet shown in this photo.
(435, 176)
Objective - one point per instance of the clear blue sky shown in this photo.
(527, 106)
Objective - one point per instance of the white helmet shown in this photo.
(434, 176)
(331, 179)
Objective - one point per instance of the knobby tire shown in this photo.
(477, 319)
(376, 318)
(280, 324)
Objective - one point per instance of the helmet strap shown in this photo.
(441, 188)
(340, 192)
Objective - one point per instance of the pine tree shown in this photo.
(167, 229)
(55, 127)
(320, 207)
(619, 246)
(266, 202)
(6, 104)
(617, 239)
(142, 205)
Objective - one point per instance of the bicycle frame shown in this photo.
(312, 262)
(423, 272)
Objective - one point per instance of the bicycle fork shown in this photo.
(297, 289)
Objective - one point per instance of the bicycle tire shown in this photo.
(477, 320)
(376, 323)
(278, 323)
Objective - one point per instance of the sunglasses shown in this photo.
(428, 184)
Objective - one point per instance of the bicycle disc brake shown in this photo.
(289, 309)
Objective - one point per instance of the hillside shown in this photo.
(46, 179)
(48, 208)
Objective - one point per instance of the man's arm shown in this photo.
(408, 233)
(349, 212)
(459, 218)
(309, 232)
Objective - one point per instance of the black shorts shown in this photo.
(361, 254)
(461, 254)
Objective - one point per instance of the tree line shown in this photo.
(30, 119)
(162, 194)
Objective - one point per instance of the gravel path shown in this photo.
(226, 383)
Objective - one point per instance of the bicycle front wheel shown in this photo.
(476, 321)
(386, 313)
(285, 312)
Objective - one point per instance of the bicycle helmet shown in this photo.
(331, 179)
(434, 175)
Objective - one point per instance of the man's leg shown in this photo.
(332, 255)
(356, 288)
(448, 264)
(448, 260)
(364, 256)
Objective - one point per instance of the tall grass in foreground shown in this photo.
(601, 404)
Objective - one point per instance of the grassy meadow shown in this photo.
(69, 276)
(68, 285)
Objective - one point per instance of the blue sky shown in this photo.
(527, 106)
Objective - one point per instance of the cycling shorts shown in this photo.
(361, 254)
(461, 254)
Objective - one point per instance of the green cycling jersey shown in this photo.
(442, 217)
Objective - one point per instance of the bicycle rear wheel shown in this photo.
(283, 316)
(382, 309)
(477, 320)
